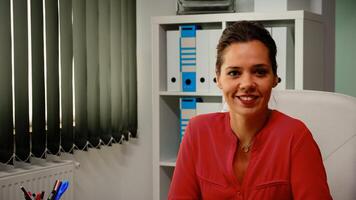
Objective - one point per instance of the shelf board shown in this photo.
(168, 163)
(254, 16)
(206, 94)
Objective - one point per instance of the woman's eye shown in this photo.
(261, 72)
(233, 73)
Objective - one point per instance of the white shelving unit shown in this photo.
(308, 74)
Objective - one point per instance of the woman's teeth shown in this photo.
(246, 98)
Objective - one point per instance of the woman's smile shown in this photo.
(247, 100)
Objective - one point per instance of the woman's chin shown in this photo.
(247, 111)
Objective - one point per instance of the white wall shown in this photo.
(124, 172)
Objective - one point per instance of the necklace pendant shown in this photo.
(245, 149)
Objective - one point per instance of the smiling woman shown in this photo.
(254, 152)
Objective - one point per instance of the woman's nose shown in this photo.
(246, 82)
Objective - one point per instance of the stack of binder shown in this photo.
(191, 58)
(188, 107)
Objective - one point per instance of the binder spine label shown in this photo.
(187, 57)
(188, 108)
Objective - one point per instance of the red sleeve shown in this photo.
(308, 176)
(185, 183)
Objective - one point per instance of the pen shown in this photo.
(56, 190)
(42, 195)
(27, 196)
(50, 196)
(64, 186)
(38, 196)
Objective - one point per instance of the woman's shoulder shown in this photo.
(284, 126)
(285, 130)
(209, 131)
(209, 124)
(210, 118)
(283, 120)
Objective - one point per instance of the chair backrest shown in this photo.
(331, 117)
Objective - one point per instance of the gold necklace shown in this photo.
(246, 148)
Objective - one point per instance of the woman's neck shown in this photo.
(246, 127)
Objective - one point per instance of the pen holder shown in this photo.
(58, 190)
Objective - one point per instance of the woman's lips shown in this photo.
(247, 100)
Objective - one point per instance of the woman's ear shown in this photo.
(276, 81)
(216, 80)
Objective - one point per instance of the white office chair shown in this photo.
(331, 117)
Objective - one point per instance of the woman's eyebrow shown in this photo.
(233, 67)
(260, 66)
(256, 66)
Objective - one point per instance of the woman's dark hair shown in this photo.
(246, 31)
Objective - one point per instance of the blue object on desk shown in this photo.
(64, 186)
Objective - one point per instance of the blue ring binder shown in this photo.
(187, 46)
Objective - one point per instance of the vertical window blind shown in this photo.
(67, 76)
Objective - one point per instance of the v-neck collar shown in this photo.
(254, 150)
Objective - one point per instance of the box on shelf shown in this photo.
(185, 7)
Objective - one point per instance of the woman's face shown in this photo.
(246, 78)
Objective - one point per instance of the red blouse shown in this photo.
(285, 162)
